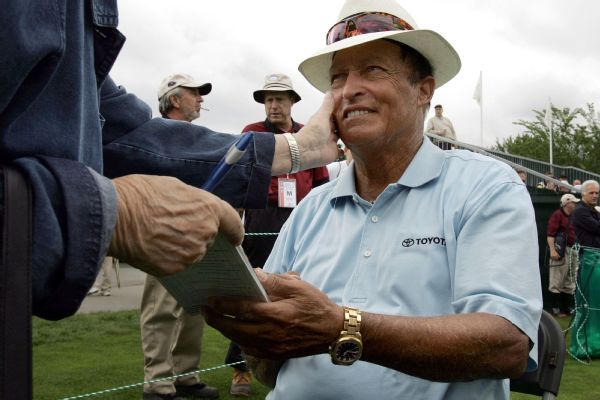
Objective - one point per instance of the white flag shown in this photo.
(477, 91)
(548, 116)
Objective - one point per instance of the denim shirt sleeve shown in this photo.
(136, 143)
(74, 210)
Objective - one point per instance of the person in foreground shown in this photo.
(410, 276)
(68, 128)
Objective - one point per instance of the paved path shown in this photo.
(127, 297)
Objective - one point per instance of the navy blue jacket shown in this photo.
(586, 222)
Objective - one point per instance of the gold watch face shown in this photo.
(346, 350)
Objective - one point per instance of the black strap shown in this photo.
(15, 287)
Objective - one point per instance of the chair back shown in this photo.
(545, 380)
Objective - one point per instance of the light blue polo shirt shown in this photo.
(456, 234)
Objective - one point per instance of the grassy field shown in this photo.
(91, 353)
(94, 352)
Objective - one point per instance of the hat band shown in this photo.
(277, 86)
(367, 22)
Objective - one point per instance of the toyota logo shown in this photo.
(408, 242)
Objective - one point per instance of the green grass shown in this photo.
(578, 380)
(94, 352)
(89, 353)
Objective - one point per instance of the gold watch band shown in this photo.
(352, 319)
(347, 348)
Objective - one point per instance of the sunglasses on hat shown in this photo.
(367, 22)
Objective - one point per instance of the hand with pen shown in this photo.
(164, 225)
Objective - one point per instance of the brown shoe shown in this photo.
(240, 384)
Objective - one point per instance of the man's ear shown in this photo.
(174, 100)
(426, 90)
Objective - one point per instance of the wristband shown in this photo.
(294, 152)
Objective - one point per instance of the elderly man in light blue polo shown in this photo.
(411, 276)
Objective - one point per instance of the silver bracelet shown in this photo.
(294, 152)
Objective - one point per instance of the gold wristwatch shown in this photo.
(347, 348)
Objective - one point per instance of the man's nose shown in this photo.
(352, 85)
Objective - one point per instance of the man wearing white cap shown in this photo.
(180, 97)
(563, 262)
(172, 338)
(415, 266)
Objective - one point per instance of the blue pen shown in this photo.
(233, 155)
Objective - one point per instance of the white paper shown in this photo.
(224, 271)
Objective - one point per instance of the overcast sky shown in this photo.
(529, 51)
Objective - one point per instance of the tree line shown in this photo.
(575, 137)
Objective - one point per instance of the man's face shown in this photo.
(439, 111)
(188, 102)
(569, 207)
(375, 102)
(278, 108)
(590, 196)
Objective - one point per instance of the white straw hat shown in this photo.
(440, 54)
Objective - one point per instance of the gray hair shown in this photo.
(164, 103)
(584, 185)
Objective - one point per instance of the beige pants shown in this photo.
(103, 279)
(563, 274)
(171, 339)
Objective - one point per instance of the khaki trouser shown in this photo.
(171, 339)
(103, 279)
(563, 274)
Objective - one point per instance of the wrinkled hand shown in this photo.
(299, 321)
(164, 225)
(317, 140)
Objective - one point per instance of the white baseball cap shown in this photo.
(182, 80)
(568, 198)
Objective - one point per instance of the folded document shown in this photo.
(224, 272)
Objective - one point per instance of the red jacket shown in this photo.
(559, 222)
(305, 180)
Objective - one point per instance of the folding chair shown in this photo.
(545, 380)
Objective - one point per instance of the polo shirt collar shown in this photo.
(271, 128)
(425, 166)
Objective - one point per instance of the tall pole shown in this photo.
(551, 148)
(548, 121)
(481, 110)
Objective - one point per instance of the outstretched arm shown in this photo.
(446, 348)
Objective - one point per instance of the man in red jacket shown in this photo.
(285, 192)
(562, 261)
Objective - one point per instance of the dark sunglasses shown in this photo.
(368, 22)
